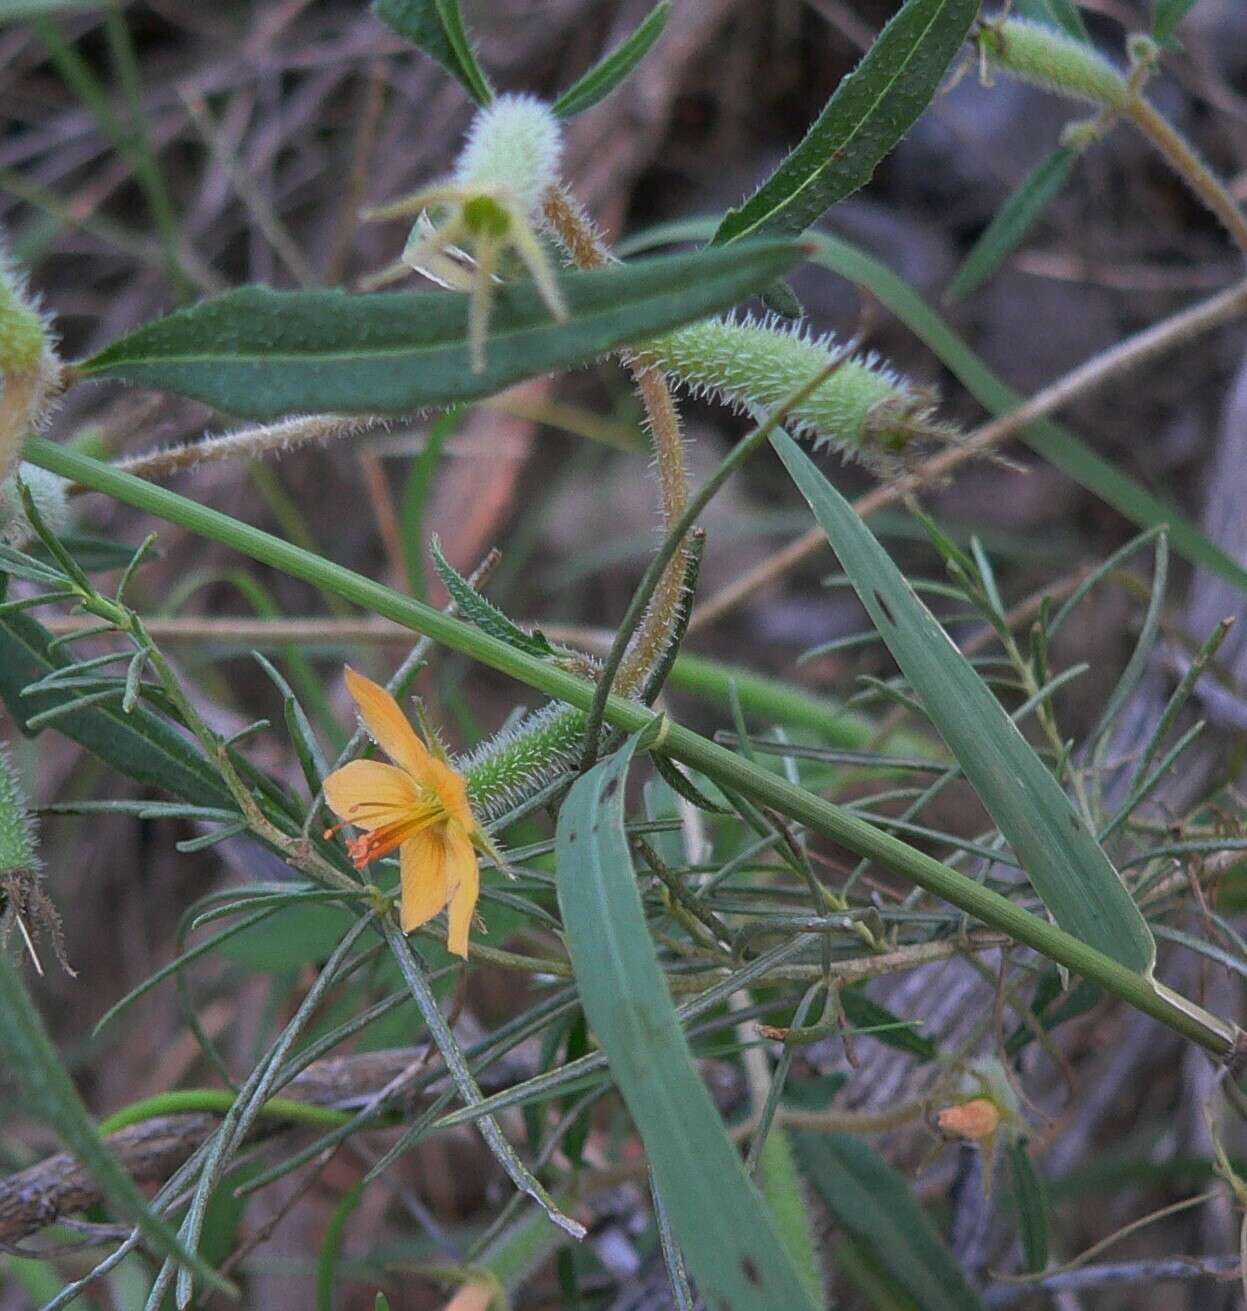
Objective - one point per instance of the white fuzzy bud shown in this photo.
(514, 145)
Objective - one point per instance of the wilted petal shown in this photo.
(369, 794)
(384, 719)
(426, 889)
(465, 885)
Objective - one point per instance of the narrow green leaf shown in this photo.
(724, 1229)
(1065, 864)
(1166, 15)
(784, 1190)
(331, 1245)
(874, 1203)
(30, 1060)
(1012, 222)
(1061, 14)
(871, 110)
(140, 745)
(483, 612)
(611, 70)
(260, 353)
(1031, 1201)
(436, 27)
(864, 1013)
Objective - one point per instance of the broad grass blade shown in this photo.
(1015, 218)
(874, 1203)
(260, 353)
(724, 1228)
(871, 110)
(1066, 865)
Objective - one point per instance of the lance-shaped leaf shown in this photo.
(1066, 865)
(875, 1204)
(871, 110)
(1015, 218)
(436, 26)
(262, 353)
(723, 1226)
(30, 1060)
(1166, 15)
(613, 68)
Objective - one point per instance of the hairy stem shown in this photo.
(1182, 157)
(656, 631)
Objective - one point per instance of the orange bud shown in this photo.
(974, 1120)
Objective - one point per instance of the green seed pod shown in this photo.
(507, 770)
(47, 490)
(1045, 57)
(754, 364)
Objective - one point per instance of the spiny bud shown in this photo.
(1041, 55)
(28, 364)
(517, 763)
(17, 829)
(50, 494)
(754, 364)
(514, 145)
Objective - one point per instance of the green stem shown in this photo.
(676, 533)
(723, 766)
(216, 1101)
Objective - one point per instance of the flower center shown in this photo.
(385, 838)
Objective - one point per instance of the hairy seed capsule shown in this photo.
(1045, 57)
(754, 364)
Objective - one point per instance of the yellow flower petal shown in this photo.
(384, 719)
(452, 792)
(464, 878)
(368, 794)
(426, 889)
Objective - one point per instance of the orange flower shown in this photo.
(417, 806)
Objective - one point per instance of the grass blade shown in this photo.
(724, 1229)
(31, 1061)
(874, 1204)
(1064, 862)
(1032, 1206)
(1015, 218)
(260, 353)
(417, 981)
(611, 70)
(871, 110)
